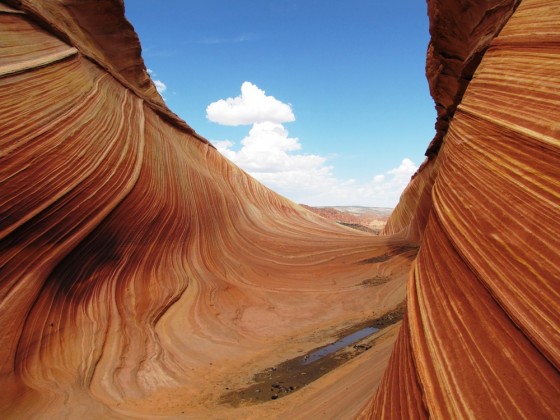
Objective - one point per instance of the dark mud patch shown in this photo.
(407, 251)
(376, 281)
(293, 374)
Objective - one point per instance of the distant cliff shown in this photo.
(368, 219)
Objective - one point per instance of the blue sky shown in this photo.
(347, 76)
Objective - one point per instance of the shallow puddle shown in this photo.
(337, 345)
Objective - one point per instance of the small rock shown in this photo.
(273, 396)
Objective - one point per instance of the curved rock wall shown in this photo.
(460, 34)
(140, 271)
(481, 337)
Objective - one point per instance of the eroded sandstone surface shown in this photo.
(481, 336)
(143, 275)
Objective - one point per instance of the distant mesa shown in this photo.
(367, 219)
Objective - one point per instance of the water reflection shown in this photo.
(337, 345)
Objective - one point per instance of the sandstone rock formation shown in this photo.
(142, 274)
(481, 338)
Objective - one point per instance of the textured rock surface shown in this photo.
(140, 271)
(461, 32)
(143, 274)
(482, 335)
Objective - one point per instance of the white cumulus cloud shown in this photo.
(270, 155)
(252, 106)
(267, 149)
(404, 170)
(160, 86)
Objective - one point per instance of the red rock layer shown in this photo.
(460, 34)
(100, 32)
(139, 269)
(483, 301)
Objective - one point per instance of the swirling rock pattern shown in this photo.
(142, 274)
(481, 338)
(140, 271)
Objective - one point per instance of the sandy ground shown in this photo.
(340, 394)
